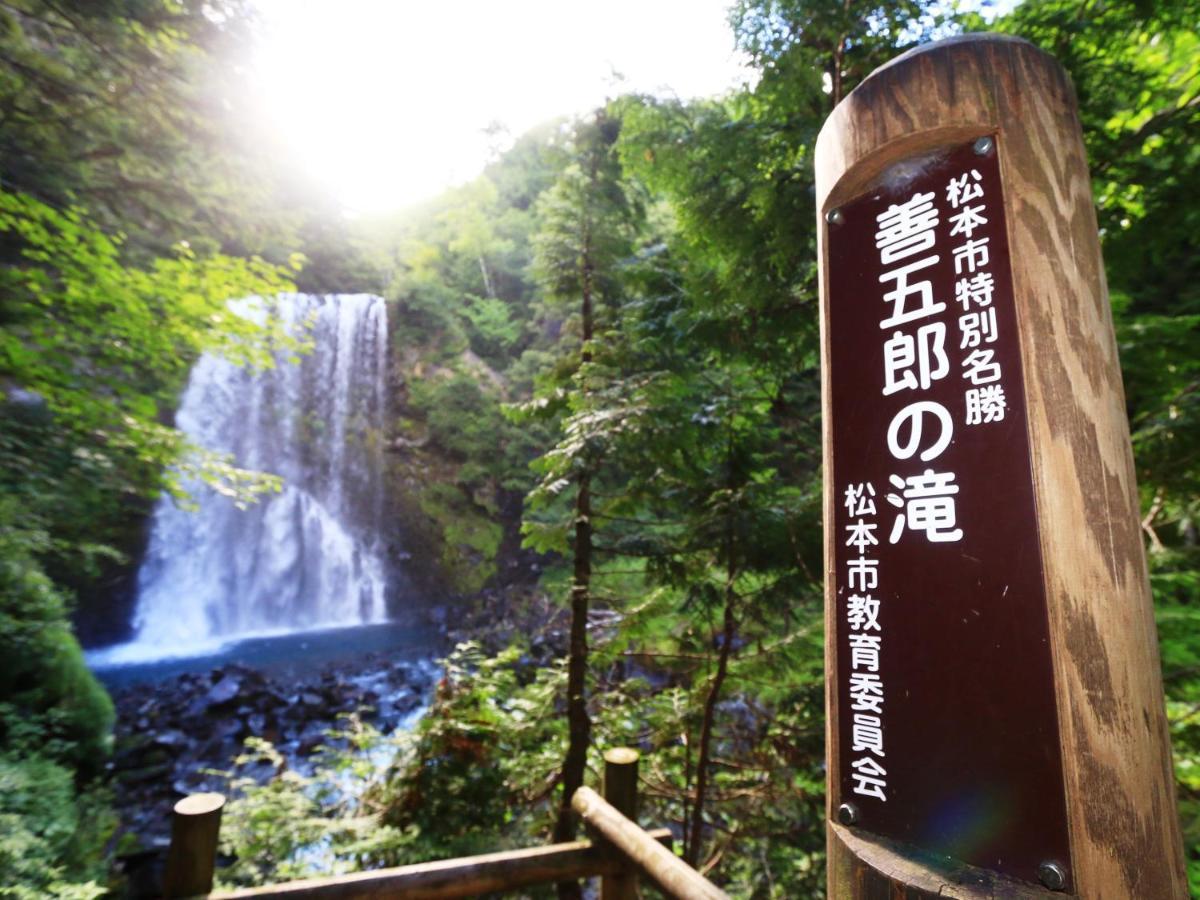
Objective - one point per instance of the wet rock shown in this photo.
(228, 729)
(311, 738)
(171, 738)
(143, 774)
(129, 746)
(172, 730)
(406, 702)
(223, 691)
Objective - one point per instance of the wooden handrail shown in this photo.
(657, 863)
(621, 851)
(467, 876)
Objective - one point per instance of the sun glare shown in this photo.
(386, 103)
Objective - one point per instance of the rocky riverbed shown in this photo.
(170, 731)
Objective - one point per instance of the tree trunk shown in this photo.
(579, 724)
(692, 850)
(487, 281)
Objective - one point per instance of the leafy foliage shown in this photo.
(50, 839)
(103, 343)
(295, 825)
(55, 723)
(691, 411)
(101, 313)
(630, 301)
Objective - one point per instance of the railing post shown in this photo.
(193, 853)
(621, 790)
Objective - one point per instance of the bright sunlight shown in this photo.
(397, 98)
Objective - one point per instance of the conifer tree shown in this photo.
(586, 227)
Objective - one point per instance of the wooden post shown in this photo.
(621, 791)
(192, 857)
(675, 877)
(1108, 745)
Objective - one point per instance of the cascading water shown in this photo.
(309, 557)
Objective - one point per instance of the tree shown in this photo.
(733, 452)
(121, 107)
(586, 229)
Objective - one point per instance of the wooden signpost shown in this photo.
(996, 722)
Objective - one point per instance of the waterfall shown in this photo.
(309, 557)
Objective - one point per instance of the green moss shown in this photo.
(470, 539)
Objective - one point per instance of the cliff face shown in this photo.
(454, 507)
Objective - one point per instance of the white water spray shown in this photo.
(307, 558)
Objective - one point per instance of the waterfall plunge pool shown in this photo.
(287, 655)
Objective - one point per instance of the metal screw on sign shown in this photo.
(1052, 875)
(848, 814)
(835, 217)
(984, 146)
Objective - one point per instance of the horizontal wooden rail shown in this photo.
(655, 861)
(621, 852)
(464, 877)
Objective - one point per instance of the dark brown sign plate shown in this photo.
(945, 688)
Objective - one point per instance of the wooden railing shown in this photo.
(620, 854)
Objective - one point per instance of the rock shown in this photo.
(224, 691)
(312, 737)
(228, 729)
(171, 738)
(144, 774)
(129, 746)
(168, 732)
(400, 444)
(406, 702)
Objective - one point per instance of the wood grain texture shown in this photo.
(195, 828)
(466, 877)
(668, 872)
(869, 867)
(621, 792)
(1125, 838)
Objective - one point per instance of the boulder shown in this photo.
(224, 691)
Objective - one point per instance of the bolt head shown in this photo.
(984, 146)
(1052, 875)
(848, 814)
(835, 217)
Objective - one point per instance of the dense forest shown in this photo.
(605, 435)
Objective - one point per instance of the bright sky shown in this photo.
(386, 100)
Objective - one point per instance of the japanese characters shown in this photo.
(865, 637)
(940, 373)
(942, 703)
(973, 289)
